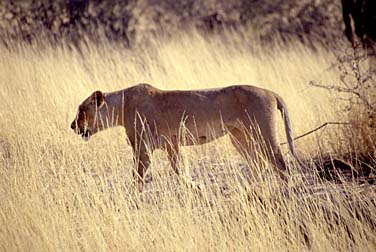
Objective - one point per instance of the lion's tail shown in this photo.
(288, 129)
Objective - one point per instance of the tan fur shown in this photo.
(155, 118)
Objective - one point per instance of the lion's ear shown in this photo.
(97, 98)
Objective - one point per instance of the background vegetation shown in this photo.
(132, 22)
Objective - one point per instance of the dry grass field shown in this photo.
(59, 193)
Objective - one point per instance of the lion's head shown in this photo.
(88, 121)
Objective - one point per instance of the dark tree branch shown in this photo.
(316, 129)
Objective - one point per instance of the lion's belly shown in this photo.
(195, 128)
(201, 116)
(199, 133)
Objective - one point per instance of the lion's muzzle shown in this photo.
(73, 125)
(85, 133)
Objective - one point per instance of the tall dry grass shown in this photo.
(58, 193)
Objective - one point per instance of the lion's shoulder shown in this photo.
(144, 86)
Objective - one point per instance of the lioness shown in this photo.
(155, 118)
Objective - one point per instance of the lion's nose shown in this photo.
(73, 125)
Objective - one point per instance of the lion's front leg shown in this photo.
(142, 163)
(173, 156)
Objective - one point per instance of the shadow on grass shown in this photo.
(349, 167)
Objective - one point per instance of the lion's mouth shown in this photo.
(86, 135)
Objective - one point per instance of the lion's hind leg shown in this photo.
(243, 144)
(256, 149)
